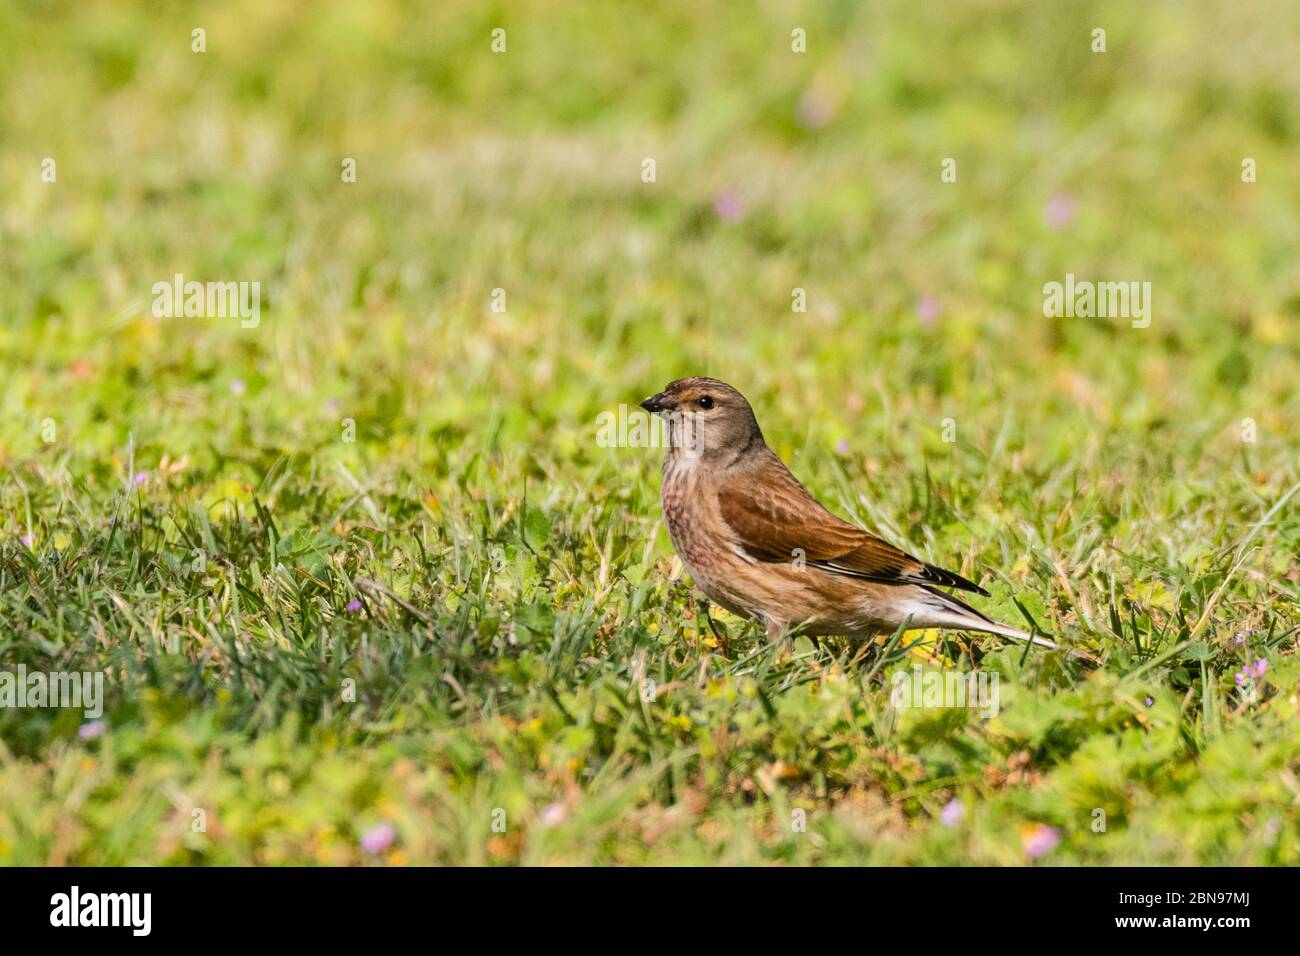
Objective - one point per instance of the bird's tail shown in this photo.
(941, 609)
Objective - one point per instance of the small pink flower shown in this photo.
(140, 477)
(1059, 210)
(27, 540)
(952, 812)
(842, 447)
(91, 729)
(729, 206)
(1261, 665)
(816, 109)
(1039, 840)
(928, 310)
(378, 838)
(552, 815)
(237, 386)
(353, 606)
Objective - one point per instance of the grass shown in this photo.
(447, 624)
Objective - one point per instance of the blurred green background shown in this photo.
(1099, 472)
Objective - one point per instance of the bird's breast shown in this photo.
(701, 539)
(683, 513)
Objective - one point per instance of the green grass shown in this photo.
(515, 582)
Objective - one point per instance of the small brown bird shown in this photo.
(760, 545)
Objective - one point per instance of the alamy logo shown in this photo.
(1098, 300)
(977, 690)
(208, 300)
(103, 909)
(633, 428)
(83, 689)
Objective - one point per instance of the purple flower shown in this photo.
(952, 813)
(842, 447)
(1059, 210)
(27, 540)
(237, 386)
(353, 606)
(816, 109)
(1261, 665)
(1039, 840)
(1150, 701)
(552, 815)
(378, 838)
(140, 477)
(1240, 677)
(729, 206)
(91, 729)
(928, 310)
(1239, 638)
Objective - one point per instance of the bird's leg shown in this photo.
(713, 626)
(776, 635)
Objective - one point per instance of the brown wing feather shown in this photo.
(776, 518)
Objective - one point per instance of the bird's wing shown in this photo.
(775, 518)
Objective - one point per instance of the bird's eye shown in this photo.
(705, 402)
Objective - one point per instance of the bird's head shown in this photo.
(707, 419)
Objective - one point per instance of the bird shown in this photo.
(758, 543)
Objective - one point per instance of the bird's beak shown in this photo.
(657, 403)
